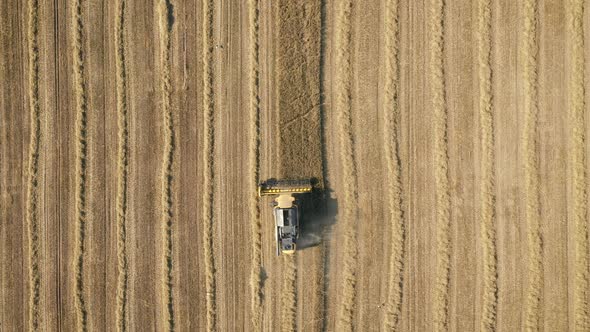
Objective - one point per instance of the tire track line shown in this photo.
(209, 157)
(122, 168)
(578, 161)
(80, 91)
(33, 175)
(348, 217)
(441, 160)
(289, 295)
(256, 281)
(529, 142)
(391, 153)
(165, 28)
(487, 196)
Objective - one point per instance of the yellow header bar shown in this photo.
(284, 187)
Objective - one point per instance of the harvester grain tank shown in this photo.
(285, 210)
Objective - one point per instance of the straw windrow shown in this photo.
(80, 91)
(32, 213)
(256, 282)
(165, 29)
(441, 162)
(534, 283)
(391, 155)
(578, 164)
(487, 196)
(122, 169)
(209, 158)
(348, 215)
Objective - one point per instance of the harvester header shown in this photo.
(285, 210)
(278, 187)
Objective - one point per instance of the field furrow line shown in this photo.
(256, 281)
(32, 213)
(391, 153)
(165, 30)
(122, 168)
(209, 158)
(289, 294)
(80, 91)
(578, 164)
(531, 169)
(487, 196)
(348, 215)
(441, 164)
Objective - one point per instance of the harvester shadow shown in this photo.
(318, 214)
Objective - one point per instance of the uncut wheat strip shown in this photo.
(289, 86)
(441, 164)
(256, 282)
(529, 49)
(165, 29)
(391, 155)
(487, 196)
(289, 294)
(312, 48)
(33, 174)
(209, 158)
(348, 214)
(122, 168)
(578, 165)
(80, 91)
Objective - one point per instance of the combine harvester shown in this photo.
(286, 210)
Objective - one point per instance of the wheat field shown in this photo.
(446, 140)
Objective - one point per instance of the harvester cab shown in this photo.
(285, 210)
